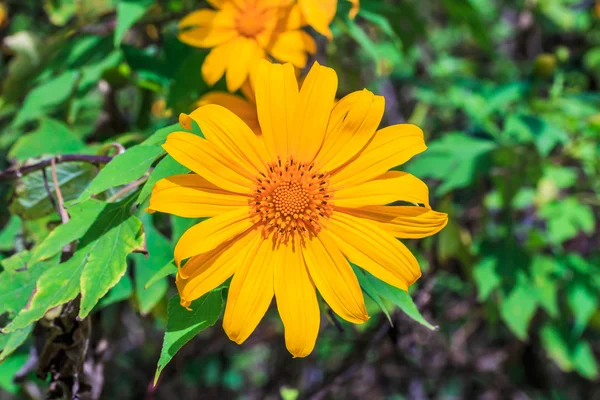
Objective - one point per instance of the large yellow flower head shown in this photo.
(241, 32)
(292, 207)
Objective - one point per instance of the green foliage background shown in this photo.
(507, 94)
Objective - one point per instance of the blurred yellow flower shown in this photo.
(3, 15)
(320, 13)
(292, 207)
(241, 32)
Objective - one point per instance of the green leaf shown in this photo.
(455, 159)
(31, 197)
(45, 98)
(584, 360)
(123, 169)
(8, 370)
(51, 137)
(546, 285)
(12, 341)
(96, 266)
(569, 354)
(367, 286)
(583, 302)
(566, 218)
(121, 291)
(83, 215)
(128, 12)
(486, 277)
(160, 252)
(165, 167)
(183, 325)
(17, 281)
(9, 233)
(519, 306)
(400, 298)
(169, 269)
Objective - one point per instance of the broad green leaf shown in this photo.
(583, 302)
(367, 286)
(518, 307)
(45, 98)
(584, 360)
(486, 277)
(128, 12)
(121, 291)
(31, 197)
(183, 325)
(556, 347)
(569, 354)
(83, 215)
(96, 266)
(400, 298)
(17, 281)
(169, 269)
(160, 252)
(123, 169)
(9, 233)
(546, 285)
(51, 137)
(180, 225)
(165, 168)
(566, 218)
(13, 340)
(455, 159)
(8, 370)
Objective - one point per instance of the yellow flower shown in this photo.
(320, 13)
(292, 207)
(241, 32)
(245, 108)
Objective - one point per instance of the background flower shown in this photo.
(243, 32)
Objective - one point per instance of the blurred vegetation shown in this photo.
(507, 94)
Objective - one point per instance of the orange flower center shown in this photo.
(251, 21)
(291, 198)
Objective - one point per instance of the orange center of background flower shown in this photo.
(291, 199)
(251, 21)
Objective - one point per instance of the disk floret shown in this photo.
(291, 198)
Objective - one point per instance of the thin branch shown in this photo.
(127, 189)
(18, 172)
(61, 202)
(49, 192)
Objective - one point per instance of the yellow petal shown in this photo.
(207, 28)
(192, 196)
(232, 137)
(244, 109)
(335, 279)
(389, 148)
(296, 300)
(204, 158)
(404, 222)
(205, 272)
(276, 92)
(250, 292)
(245, 54)
(371, 248)
(209, 234)
(316, 100)
(353, 122)
(355, 8)
(292, 46)
(319, 14)
(388, 188)
(216, 62)
(248, 91)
